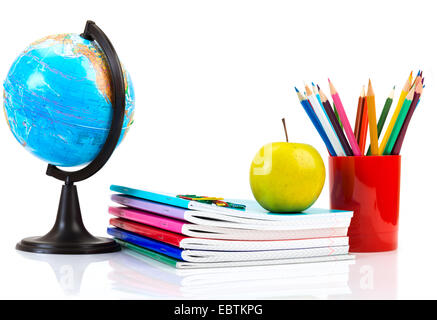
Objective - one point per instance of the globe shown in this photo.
(57, 100)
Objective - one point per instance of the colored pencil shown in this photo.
(399, 121)
(371, 113)
(385, 110)
(392, 122)
(398, 144)
(363, 128)
(344, 119)
(311, 114)
(337, 116)
(324, 120)
(359, 115)
(340, 134)
(316, 92)
(414, 83)
(384, 113)
(335, 112)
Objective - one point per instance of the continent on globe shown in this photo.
(57, 100)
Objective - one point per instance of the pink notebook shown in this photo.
(150, 219)
(235, 231)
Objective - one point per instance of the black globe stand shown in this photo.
(69, 235)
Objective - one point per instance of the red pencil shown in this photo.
(363, 128)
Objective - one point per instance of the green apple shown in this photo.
(287, 177)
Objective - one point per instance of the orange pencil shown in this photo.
(359, 114)
(371, 112)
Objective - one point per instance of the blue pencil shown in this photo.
(316, 92)
(316, 122)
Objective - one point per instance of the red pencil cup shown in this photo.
(370, 186)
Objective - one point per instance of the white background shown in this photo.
(213, 80)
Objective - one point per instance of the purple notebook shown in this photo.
(150, 206)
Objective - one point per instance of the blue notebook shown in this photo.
(147, 243)
(152, 196)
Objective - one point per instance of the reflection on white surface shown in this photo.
(68, 269)
(374, 276)
(129, 274)
(138, 274)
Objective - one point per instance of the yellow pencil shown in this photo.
(414, 84)
(371, 111)
(390, 126)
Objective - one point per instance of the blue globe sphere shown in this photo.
(57, 100)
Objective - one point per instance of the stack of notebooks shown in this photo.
(190, 234)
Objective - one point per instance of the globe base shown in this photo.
(43, 245)
(68, 235)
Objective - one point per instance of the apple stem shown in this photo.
(285, 129)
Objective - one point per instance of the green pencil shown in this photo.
(399, 121)
(384, 114)
(337, 115)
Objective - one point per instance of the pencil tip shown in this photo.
(392, 93)
(296, 89)
(329, 80)
(308, 90)
(370, 89)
